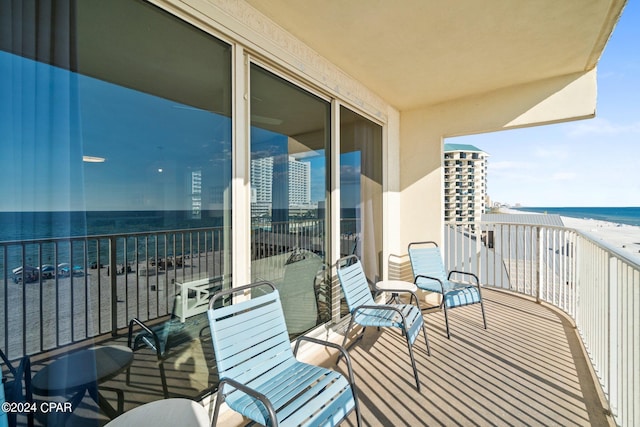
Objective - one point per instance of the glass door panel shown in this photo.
(115, 122)
(361, 191)
(289, 151)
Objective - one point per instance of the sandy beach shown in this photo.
(622, 238)
(64, 310)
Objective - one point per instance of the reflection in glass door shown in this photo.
(361, 191)
(116, 130)
(289, 150)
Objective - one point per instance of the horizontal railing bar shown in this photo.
(107, 236)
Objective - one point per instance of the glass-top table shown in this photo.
(81, 372)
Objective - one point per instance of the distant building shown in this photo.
(465, 183)
(298, 185)
(261, 186)
(196, 194)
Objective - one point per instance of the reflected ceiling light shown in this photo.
(92, 159)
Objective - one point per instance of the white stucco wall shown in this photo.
(422, 131)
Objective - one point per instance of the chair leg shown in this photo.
(12, 418)
(484, 318)
(105, 405)
(446, 320)
(128, 378)
(414, 296)
(219, 400)
(163, 378)
(413, 362)
(27, 389)
(358, 416)
(426, 340)
(30, 419)
(346, 335)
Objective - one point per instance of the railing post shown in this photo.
(113, 280)
(478, 249)
(613, 341)
(539, 264)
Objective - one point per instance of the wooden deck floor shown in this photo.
(526, 369)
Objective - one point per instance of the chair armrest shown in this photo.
(321, 342)
(477, 285)
(466, 273)
(338, 347)
(155, 337)
(430, 278)
(251, 392)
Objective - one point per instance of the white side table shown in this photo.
(396, 287)
(167, 412)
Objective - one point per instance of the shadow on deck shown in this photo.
(527, 368)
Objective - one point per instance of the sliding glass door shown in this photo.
(289, 151)
(361, 191)
(115, 122)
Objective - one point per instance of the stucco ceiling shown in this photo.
(414, 53)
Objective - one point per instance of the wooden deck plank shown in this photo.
(527, 368)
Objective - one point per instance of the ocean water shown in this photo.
(18, 226)
(39, 226)
(619, 215)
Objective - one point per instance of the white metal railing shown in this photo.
(596, 285)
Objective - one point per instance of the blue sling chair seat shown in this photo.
(259, 375)
(366, 312)
(431, 275)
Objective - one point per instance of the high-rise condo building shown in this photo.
(465, 183)
(299, 182)
(298, 185)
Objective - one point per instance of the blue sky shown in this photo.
(593, 162)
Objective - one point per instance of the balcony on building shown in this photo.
(248, 136)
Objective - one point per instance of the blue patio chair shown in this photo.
(259, 375)
(13, 386)
(188, 322)
(297, 291)
(430, 275)
(366, 312)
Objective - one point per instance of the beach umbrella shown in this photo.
(78, 270)
(29, 273)
(64, 269)
(47, 270)
(26, 268)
